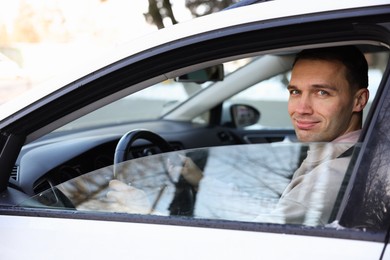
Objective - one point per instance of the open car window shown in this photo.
(268, 95)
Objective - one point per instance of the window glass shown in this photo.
(245, 183)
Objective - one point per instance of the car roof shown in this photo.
(228, 18)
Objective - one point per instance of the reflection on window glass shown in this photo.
(255, 183)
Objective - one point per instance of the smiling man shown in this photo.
(328, 92)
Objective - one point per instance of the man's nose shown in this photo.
(304, 105)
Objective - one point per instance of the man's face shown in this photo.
(321, 102)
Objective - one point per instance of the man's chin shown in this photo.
(307, 137)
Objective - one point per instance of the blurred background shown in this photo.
(39, 38)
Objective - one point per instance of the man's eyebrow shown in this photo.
(316, 86)
(325, 86)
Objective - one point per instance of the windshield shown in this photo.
(149, 103)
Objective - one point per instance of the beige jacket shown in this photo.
(311, 195)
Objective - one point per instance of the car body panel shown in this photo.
(118, 240)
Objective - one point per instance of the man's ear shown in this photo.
(361, 99)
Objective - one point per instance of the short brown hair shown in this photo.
(350, 56)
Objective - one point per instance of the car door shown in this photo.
(360, 228)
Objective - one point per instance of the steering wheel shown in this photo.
(184, 198)
(122, 148)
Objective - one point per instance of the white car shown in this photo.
(212, 89)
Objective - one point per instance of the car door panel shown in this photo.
(121, 240)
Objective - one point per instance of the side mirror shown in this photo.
(244, 115)
(213, 73)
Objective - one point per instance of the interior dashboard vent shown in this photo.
(15, 173)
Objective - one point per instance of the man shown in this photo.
(328, 91)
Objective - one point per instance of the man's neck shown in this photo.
(351, 137)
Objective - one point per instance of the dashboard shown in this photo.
(59, 157)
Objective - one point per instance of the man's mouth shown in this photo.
(305, 124)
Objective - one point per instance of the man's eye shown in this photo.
(294, 92)
(323, 93)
